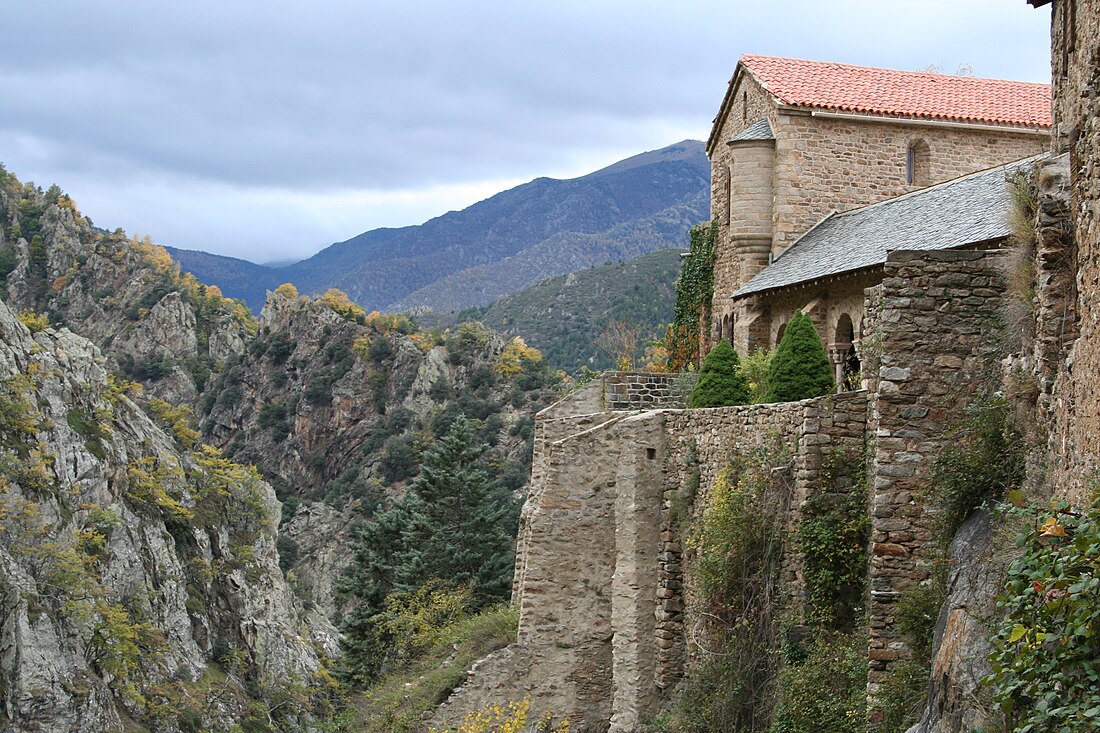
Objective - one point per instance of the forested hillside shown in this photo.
(565, 316)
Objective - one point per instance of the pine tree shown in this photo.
(457, 530)
(800, 367)
(721, 381)
(453, 525)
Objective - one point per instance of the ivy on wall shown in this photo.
(694, 291)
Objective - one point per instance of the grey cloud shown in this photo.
(347, 95)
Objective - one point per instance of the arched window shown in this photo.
(917, 157)
(779, 333)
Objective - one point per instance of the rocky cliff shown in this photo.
(337, 406)
(153, 324)
(139, 577)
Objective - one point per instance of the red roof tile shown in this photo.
(864, 89)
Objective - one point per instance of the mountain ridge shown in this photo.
(463, 258)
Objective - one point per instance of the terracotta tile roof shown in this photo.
(864, 89)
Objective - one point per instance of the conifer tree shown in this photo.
(800, 368)
(721, 381)
(452, 525)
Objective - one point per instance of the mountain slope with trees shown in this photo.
(564, 316)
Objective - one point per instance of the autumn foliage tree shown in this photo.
(620, 341)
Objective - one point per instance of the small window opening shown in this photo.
(744, 107)
(651, 453)
(916, 163)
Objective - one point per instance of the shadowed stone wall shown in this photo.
(940, 316)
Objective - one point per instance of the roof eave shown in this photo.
(856, 116)
(727, 102)
(812, 282)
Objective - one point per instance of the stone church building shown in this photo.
(820, 169)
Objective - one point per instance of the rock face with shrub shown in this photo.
(139, 579)
(156, 325)
(334, 406)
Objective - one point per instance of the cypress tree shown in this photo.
(800, 367)
(721, 381)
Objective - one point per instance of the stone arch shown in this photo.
(842, 352)
(727, 327)
(918, 159)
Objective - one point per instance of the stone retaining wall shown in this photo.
(941, 322)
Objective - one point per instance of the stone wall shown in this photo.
(941, 322)
(599, 579)
(1075, 444)
(824, 164)
(606, 615)
(645, 390)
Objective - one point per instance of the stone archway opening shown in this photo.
(842, 352)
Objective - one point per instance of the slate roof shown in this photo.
(759, 130)
(863, 89)
(962, 211)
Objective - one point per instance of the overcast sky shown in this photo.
(270, 130)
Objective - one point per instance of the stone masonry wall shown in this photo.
(824, 164)
(600, 585)
(606, 614)
(818, 445)
(940, 316)
(645, 390)
(1075, 445)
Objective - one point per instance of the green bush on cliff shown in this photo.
(800, 368)
(721, 381)
(1046, 669)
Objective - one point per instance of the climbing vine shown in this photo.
(694, 291)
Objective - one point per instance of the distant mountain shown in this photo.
(564, 315)
(500, 245)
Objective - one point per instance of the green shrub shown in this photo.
(8, 262)
(800, 368)
(832, 535)
(1046, 667)
(734, 552)
(902, 696)
(721, 381)
(288, 551)
(755, 367)
(400, 458)
(826, 692)
(983, 460)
